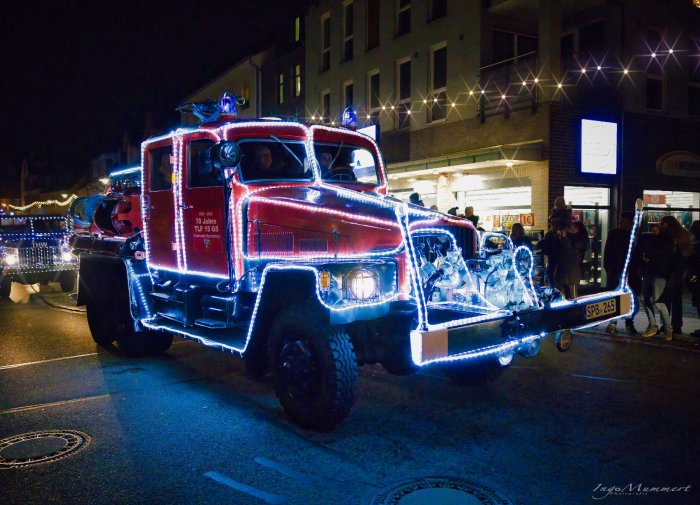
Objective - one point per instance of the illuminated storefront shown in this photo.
(683, 205)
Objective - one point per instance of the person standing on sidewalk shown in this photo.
(614, 257)
(577, 237)
(656, 253)
(682, 251)
(694, 270)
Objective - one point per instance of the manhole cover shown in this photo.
(438, 491)
(40, 447)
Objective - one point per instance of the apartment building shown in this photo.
(504, 105)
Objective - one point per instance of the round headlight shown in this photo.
(363, 284)
(66, 256)
(11, 259)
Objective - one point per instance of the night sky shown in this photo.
(78, 74)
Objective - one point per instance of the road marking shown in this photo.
(6, 367)
(273, 499)
(282, 469)
(601, 378)
(52, 404)
(18, 365)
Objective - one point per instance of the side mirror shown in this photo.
(223, 155)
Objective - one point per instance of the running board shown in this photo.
(229, 339)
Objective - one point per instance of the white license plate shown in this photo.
(596, 310)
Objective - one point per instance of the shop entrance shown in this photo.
(683, 205)
(591, 206)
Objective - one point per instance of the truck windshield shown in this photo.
(343, 163)
(273, 159)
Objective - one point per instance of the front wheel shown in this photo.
(5, 288)
(314, 367)
(67, 280)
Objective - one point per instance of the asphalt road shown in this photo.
(190, 428)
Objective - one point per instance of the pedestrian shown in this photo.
(555, 246)
(577, 237)
(518, 237)
(452, 211)
(656, 254)
(414, 198)
(693, 277)
(682, 251)
(614, 257)
(560, 216)
(469, 214)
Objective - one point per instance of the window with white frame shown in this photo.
(348, 29)
(372, 15)
(436, 9)
(373, 102)
(438, 82)
(403, 88)
(326, 106)
(348, 97)
(297, 80)
(325, 41)
(403, 17)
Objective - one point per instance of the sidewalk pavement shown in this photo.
(691, 323)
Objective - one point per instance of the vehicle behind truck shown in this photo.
(278, 241)
(34, 248)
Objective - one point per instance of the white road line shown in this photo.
(282, 469)
(273, 499)
(52, 404)
(593, 377)
(18, 365)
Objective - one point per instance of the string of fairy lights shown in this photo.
(528, 83)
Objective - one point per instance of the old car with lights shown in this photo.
(34, 248)
(278, 241)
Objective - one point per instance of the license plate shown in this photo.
(604, 308)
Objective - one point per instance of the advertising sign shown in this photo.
(598, 147)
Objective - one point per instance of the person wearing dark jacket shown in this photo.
(557, 247)
(682, 251)
(656, 253)
(693, 276)
(577, 236)
(614, 256)
(518, 237)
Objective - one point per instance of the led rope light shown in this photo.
(125, 171)
(60, 203)
(529, 274)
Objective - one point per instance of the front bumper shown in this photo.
(498, 334)
(29, 273)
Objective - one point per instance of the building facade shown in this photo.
(500, 105)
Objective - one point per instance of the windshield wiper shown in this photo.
(274, 137)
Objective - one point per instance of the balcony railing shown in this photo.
(508, 86)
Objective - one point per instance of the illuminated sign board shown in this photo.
(598, 147)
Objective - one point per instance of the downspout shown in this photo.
(258, 87)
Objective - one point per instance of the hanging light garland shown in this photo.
(44, 203)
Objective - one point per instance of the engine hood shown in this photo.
(305, 221)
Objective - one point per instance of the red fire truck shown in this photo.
(278, 241)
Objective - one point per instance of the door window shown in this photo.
(198, 176)
(161, 168)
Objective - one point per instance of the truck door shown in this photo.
(159, 211)
(202, 211)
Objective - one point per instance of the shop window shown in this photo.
(438, 85)
(325, 42)
(404, 87)
(655, 92)
(348, 30)
(591, 206)
(683, 205)
(403, 17)
(436, 9)
(197, 174)
(372, 24)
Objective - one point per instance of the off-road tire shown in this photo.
(329, 381)
(5, 288)
(472, 372)
(67, 281)
(106, 322)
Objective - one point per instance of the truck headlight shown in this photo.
(11, 259)
(66, 256)
(362, 284)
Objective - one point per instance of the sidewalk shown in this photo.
(691, 322)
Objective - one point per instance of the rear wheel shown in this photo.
(105, 322)
(5, 288)
(314, 366)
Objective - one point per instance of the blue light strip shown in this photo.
(125, 171)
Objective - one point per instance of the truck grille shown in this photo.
(37, 256)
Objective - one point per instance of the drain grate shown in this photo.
(38, 447)
(438, 491)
